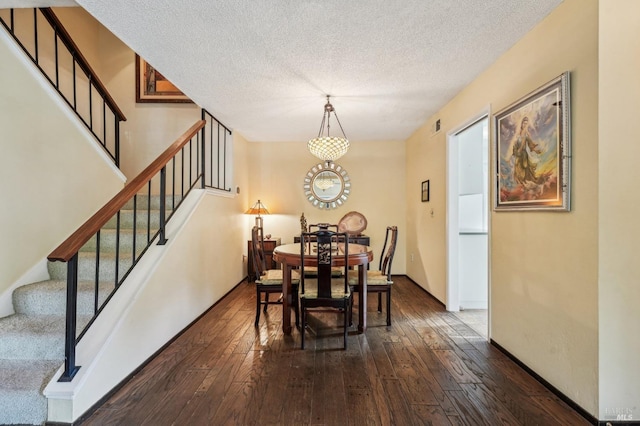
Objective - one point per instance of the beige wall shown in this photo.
(619, 227)
(48, 170)
(377, 174)
(85, 32)
(544, 266)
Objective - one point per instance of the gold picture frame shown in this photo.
(153, 87)
(532, 147)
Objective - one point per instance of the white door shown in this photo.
(467, 216)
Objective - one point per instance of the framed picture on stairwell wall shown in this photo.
(152, 86)
(532, 148)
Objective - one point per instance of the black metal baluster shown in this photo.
(90, 105)
(117, 139)
(200, 159)
(218, 152)
(57, 65)
(201, 146)
(75, 103)
(211, 155)
(163, 190)
(173, 184)
(182, 174)
(224, 163)
(70, 368)
(104, 123)
(191, 182)
(133, 237)
(117, 265)
(35, 33)
(149, 212)
(97, 279)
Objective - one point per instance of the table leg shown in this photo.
(362, 298)
(286, 302)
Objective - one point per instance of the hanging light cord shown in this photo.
(328, 109)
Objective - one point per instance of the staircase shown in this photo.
(32, 340)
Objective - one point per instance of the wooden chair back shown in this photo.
(318, 226)
(327, 245)
(257, 248)
(388, 250)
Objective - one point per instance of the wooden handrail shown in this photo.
(72, 245)
(82, 61)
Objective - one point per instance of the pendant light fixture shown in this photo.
(325, 146)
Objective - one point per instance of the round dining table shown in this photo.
(289, 256)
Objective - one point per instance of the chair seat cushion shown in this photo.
(275, 277)
(312, 271)
(373, 278)
(337, 289)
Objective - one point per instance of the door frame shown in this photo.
(452, 228)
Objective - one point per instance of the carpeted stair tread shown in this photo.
(21, 386)
(19, 374)
(143, 202)
(34, 336)
(87, 266)
(50, 297)
(108, 238)
(143, 217)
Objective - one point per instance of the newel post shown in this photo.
(70, 368)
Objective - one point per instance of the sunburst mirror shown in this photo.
(327, 185)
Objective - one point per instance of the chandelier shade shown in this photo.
(325, 146)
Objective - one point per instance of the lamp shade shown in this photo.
(258, 208)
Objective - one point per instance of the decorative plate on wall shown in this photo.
(353, 223)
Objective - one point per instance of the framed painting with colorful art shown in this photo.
(152, 86)
(532, 150)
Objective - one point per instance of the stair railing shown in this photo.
(215, 164)
(168, 179)
(43, 38)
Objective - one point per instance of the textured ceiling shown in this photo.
(264, 67)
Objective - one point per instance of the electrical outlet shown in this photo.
(412, 257)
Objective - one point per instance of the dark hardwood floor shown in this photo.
(428, 368)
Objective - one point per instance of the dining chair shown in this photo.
(379, 281)
(324, 292)
(312, 271)
(269, 280)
